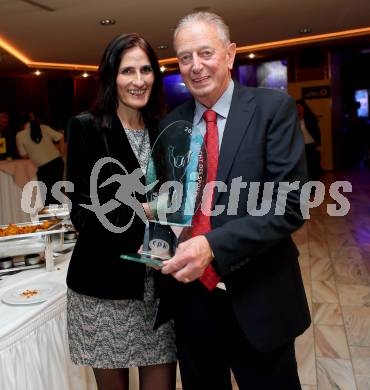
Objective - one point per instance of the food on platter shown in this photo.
(13, 229)
(29, 293)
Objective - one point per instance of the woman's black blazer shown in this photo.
(96, 268)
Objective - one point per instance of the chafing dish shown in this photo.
(20, 240)
(57, 210)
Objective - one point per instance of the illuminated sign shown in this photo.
(320, 92)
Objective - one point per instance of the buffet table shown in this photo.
(34, 351)
(13, 176)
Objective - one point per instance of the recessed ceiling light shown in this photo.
(37, 72)
(85, 74)
(251, 55)
(202, 8)
(107, 22)
(162, 47)
(162, 68)
(305, 30)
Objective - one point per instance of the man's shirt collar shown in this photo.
(221, 107)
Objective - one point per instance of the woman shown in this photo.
(41, 144)
(112, 302)
(312, 139)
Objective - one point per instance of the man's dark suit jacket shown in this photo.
(255, 255)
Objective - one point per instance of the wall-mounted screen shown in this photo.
(273, 74)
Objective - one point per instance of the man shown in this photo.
(7, 139)
(250, 320)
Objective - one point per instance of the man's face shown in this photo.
(4, 120)
(205, 61)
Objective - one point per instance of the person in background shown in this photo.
(8, 149)
(238, 299)
(40, 144)
(111, 302)
(312, 139)
(357, 135)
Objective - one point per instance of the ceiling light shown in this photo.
(37, 72)
(202, 8)
(251, 55)
(85, 74)
(305, 30)
(162, 47)
(162, 68)
(107, 22)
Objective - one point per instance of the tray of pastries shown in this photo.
(30, 229)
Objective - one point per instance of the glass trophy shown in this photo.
(176, 174)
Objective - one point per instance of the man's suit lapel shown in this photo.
(241, 112)
(187, 111)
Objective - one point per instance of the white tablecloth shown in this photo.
(34, 351)
(10, 201)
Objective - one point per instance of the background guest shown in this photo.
(357, 135)
(40, 143)
(312, 139)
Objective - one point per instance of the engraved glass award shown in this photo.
(176, 174)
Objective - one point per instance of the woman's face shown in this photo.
(135, 79)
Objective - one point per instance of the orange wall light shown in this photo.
(305, 40)
(39, 64)
(292, 42)
(241, 49)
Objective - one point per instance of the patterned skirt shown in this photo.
(106, 333)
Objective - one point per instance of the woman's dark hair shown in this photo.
(36, 134)
(106, 102)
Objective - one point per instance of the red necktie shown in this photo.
(202, 222)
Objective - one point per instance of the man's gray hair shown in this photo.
(207, 17)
